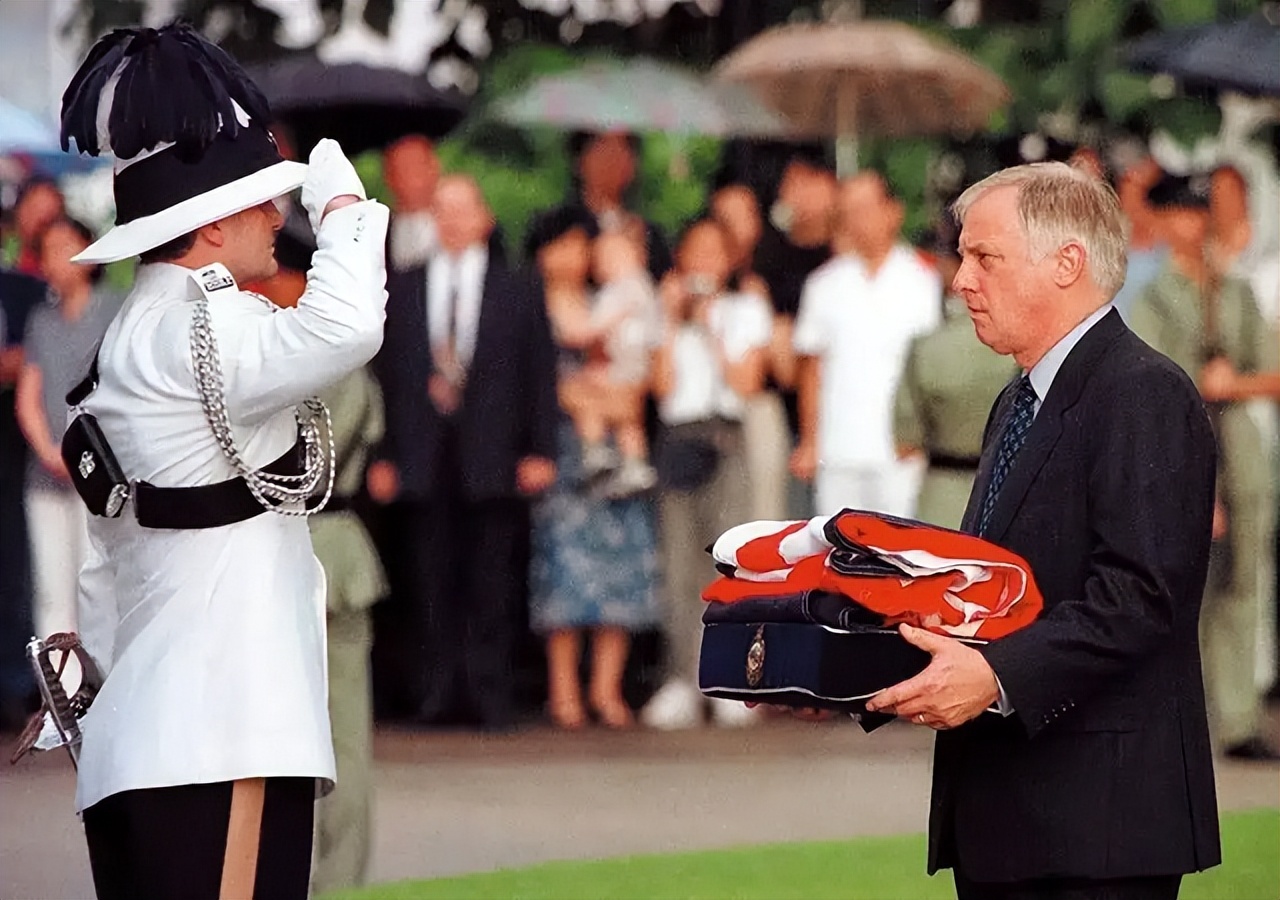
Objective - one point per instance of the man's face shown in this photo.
(1009, 297)
(249, 242)
(462, 219)
(412, 171)
(868, 215)
(607, 165)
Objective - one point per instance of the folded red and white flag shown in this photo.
(906, 571)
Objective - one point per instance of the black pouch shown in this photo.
(685, 464)
(95, 473)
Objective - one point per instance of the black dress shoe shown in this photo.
(1255, 749)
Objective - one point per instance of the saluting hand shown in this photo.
(955, 687)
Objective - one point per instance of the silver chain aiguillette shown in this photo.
(282, 494)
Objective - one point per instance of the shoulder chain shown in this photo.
(282, 494)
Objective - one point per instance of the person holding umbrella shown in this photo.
(605, 166)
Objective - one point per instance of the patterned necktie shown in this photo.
(1017, 424)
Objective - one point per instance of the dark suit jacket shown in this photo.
(508, 407)
(1105, 768)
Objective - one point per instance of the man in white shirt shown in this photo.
(202, 602)
(858, 315)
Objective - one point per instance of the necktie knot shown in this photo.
(1022, 412)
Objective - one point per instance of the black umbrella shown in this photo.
(1243, 56)
(361, 107)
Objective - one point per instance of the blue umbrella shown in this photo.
(24, 132)
(27, 137)
(1242, 56)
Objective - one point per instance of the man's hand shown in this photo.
(804, 461)
(383, 480)
(535, 474)
(958, 685)
(330, 178)
(1217, 380)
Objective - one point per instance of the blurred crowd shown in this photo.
(554, 431)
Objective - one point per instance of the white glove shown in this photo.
(329, 175)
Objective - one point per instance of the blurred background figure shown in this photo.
(710, 364)
(594, 561)
(1147, 251)
(1194, 312)
(622, 327)
(858, 315)
(61, 339)
(766, 439)
(943, 400)
(354, 582)
(796, 241)
(39, 203)
(467, 368)
(19, 295)
(411, 170)
(605, 169)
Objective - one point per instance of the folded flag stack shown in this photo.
(804, 612)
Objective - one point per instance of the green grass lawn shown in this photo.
(864, 869)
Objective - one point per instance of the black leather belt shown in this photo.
(956, 463)
(207, 505)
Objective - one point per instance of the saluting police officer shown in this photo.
(202, 599)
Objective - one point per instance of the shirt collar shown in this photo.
(1046, 370)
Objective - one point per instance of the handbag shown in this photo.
(688, 455)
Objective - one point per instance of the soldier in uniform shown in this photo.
(1195, 314)
(941, 404)
(202, 600)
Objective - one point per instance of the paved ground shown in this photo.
(453, 803)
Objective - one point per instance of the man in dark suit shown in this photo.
(1095, 777)
(468, 372)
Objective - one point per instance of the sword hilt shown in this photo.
(49, 682)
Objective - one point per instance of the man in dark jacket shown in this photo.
(467, 368)
(1095, 778)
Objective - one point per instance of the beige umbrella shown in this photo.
(861, 78)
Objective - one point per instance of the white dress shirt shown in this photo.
(413, 239)
(464, 274)
(213, 641)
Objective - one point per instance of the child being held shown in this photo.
(607, 395)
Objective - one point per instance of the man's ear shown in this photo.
(213, 233)
(1070, 265)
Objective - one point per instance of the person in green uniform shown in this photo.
(355, 582)
(1193, 315)
(948, 384)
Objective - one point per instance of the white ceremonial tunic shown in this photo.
(213, 640)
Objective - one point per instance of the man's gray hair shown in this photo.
(1058, 204)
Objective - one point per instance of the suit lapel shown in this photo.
(1047, 428)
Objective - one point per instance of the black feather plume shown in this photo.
(175, 87)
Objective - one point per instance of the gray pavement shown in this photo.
(451, 803)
